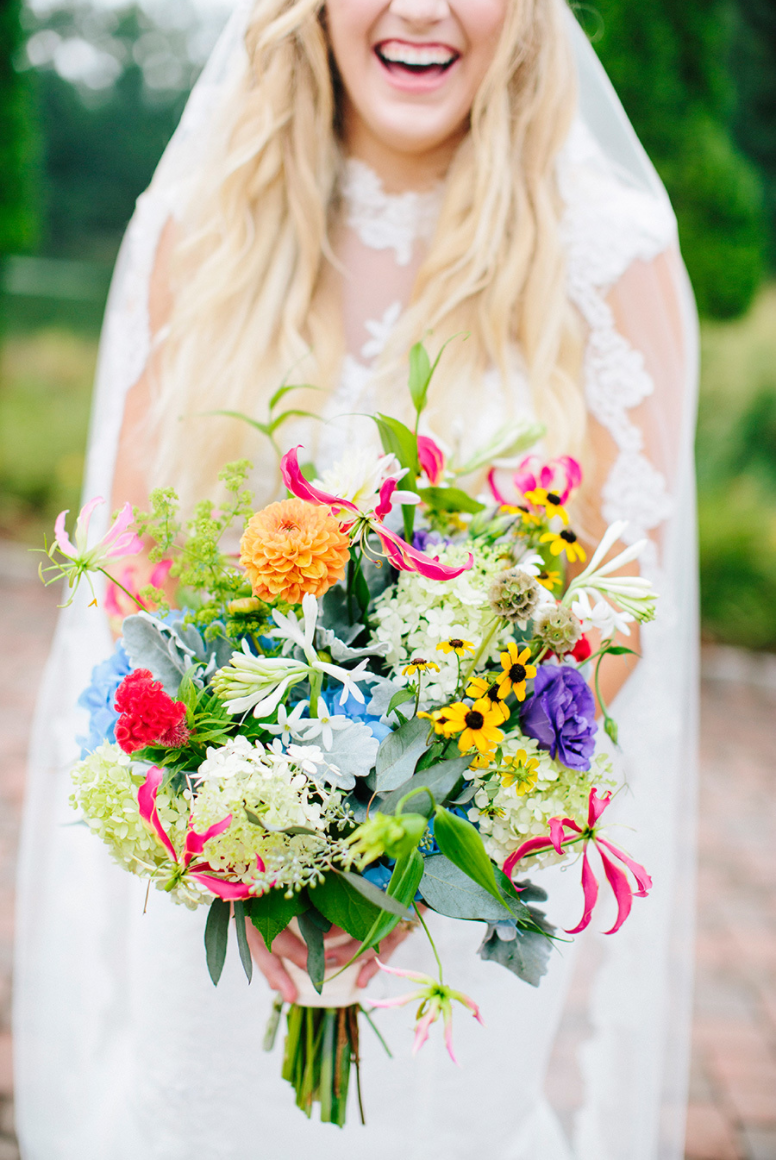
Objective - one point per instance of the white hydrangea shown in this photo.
(415, 614)
(242, 777)
(506, 819)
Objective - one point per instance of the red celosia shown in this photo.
(148, 714)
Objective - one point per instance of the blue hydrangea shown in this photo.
(357, 711)
(98, 699)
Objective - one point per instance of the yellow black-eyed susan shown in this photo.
(520, 772)
(419, 666)
(456, 645)
(515, 671)
(478, 725)
(549, 501)
(488, 688)
(564, 542)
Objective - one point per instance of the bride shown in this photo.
(347, 178)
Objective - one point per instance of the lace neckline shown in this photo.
(387, 221)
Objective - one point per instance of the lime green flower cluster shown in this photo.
(507, 815)
(391, 835)
(105, 785)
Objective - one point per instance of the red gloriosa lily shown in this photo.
(193, 846)
(618, 880)
(401, 555)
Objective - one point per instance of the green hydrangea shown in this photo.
(506, 818)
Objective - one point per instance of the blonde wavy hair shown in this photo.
(248, 260)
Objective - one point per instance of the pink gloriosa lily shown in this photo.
(126, 584)
(562, 476)
(431, 458)
(79, 559)
(564, 832)
(435, 1001)
(193, 847)
(401, 555)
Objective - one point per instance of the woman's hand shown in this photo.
(290, 947)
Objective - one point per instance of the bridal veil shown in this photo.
(124, 1049)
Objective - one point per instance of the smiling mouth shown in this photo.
(401, 57)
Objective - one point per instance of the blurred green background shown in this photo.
(90, 91)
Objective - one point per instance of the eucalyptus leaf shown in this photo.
(399, 698)
(217, 937)
(420, 375)
(242, 939)
(382, 901)
(440, 780)
(449, 890)
(399, 753)
(526, 956)
(316, 957)
(461, 842)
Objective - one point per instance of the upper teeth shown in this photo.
(415, 54)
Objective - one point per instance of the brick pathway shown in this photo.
(733, 1096)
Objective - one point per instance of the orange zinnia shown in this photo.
(291, 548)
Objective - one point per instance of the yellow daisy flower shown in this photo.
(528, 518)
(440, 721)
(549, 501)
(456, 645)
(478, 725)
(483, 761)
(419, 666)
(519, 772)
(487, 688)
(549, 578)
(515, 671)
(564, 542)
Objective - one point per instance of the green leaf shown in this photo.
(316, 957)
(217, 937)
(242, 939)
(264, 428)
(271, 912)
(344, 905)
(397, 438)
(449, 500)
(407, 873)
(441, 780)
(278, 420)
(527, 955)
(461, 842)
(449, 890)
(420, 376)
(620, 650)
(286, 387)
(382, 901)
(399, 753)
(401, 696)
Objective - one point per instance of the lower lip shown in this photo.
(407, 82)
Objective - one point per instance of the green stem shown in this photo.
(123, 589)
(411, 795)
(417, 693)
(316, 682)
(498, 622)
(431, 942)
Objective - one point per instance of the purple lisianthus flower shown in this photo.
(425, 539)
(98, 699)
(561, 716)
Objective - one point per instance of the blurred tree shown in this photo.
(753, 61)
(668, 61)
(18, 139)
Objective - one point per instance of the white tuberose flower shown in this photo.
(287, 723)
(323, 726)
(302, 634)
(601, 616)
(633, 594)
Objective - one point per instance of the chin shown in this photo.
(409, 131)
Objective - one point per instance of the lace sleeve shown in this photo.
(627, 281)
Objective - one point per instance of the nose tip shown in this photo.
(420, 12)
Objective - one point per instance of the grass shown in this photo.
(46, 373)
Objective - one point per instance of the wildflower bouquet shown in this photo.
(382, 706)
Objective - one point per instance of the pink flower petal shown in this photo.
(597, 805)
(618, 882)
(60, 536)
(296, 483)
(195, 842)
(146, 800)
(449, 1035)
(386, 504)
(402, 556)
(224, 889)
(396, 1002)
(422, 1029)
(84, 517)
(535, 844)
(431, 458)
(590, 889)
(410, 974)
(161, 573)
(642, 876)
(497, 495)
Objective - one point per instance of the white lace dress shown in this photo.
(125, 1049)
